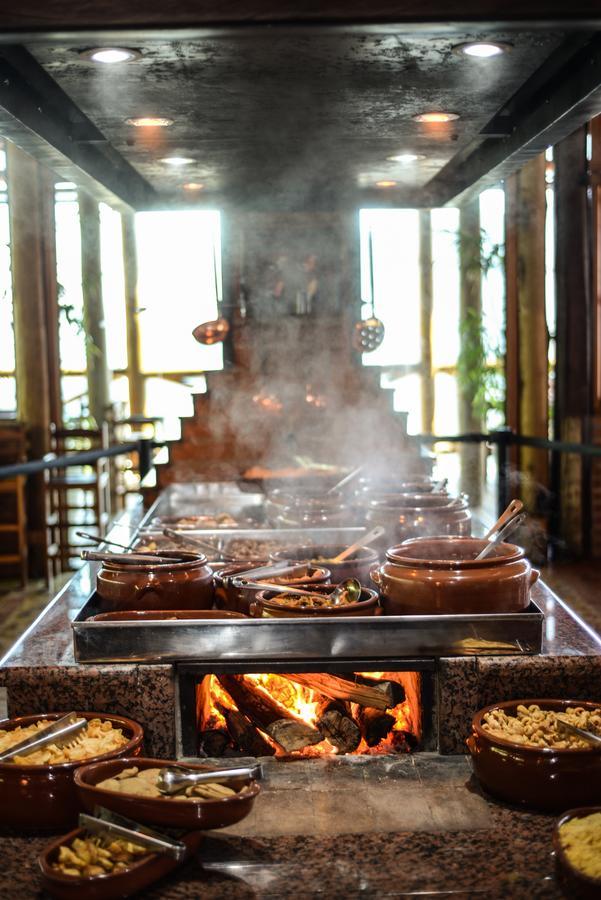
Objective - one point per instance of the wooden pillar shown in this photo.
(93, 313)
(512, 345)
(595, 181)
(533, 411)
(470, 315)
(31, 347)
(425, 266)
(51, 295)
(573, 371)
(130, 268)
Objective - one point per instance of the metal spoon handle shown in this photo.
(98, 556)
(268, 586)
(347, 478)
(513, 509)
(197, 544)
(589, 736)
(100, 540)
(67, 727)
(363, 541)
(508, 529)
(281, 568)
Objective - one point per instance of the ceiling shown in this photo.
(297, 117)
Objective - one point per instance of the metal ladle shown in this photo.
(175, 779)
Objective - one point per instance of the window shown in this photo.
(8, 383)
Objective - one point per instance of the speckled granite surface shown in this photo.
(505, 854)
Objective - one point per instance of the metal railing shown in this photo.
(143, 447)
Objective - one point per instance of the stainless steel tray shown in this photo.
(247, 640)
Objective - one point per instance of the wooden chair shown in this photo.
(13, 520)
(78, 497)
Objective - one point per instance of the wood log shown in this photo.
(213, 742)
(374, 724)
(335, 721)
(392, 689)
(244, 734)
(286, 729)
(379, 694)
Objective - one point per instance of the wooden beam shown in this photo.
(93, 311)
(425, 267)
(130, 271)
(31, 346)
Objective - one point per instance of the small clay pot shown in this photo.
(264, 607)
(545, 779)
(186, 583)
(165, 615)
(406, 516)
(574, 882)
(430, 576)
(359, 566)
(238, 599)
(44, 797)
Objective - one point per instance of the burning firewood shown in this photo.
(290, 732)
(244, 734)
(392, 689)
(335, 721)
(378, 694)
(374, 724)
(213, 742)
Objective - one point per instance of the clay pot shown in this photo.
(184, 584)
(429, 576)
(574, 882)
(544, 779)
(410, 484)
(262, 607)
(162, 615)
(44, 797)
(201, 815)
(238, 599)
(358, 567)
(417, 515)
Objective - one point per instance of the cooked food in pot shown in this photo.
(314, 601)
(536, 727)
(99, 737)
(99, 855)
(251, 548)
(143, 783)
(580, 839)
(216, 520)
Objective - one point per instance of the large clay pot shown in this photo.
(429, 576)
(406, 516)
(186, 583)
(358, 567)
(238, 599)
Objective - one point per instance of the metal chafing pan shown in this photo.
(293, 537)
(490, 634)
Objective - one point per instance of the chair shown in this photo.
(13, 521)
(78, 497)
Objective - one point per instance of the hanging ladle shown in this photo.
(501, 535)
(512, 510)
(363, 541)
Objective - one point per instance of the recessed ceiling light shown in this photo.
(193, 186)
(482, 49)
(385, 184)
(436, 117)
(406, 157)
(65, 186)
(178, 160)
(110, 54)
(149, 121)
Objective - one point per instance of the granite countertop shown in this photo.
(470, 845)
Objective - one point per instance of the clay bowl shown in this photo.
(430, 576)
(575, 883)
(187, 583)
(198, 815)
(545, 779)
(142, 873)
(44, 797)
(166, 615)
(238, 599)
(359, 566)
(407, 516)
(367, 605)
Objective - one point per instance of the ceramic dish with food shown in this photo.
(540, 766)
(185, 583)
(358, 565)
(238, 599)
(271, 605)
(131, 871)
(441, 575)
(577, 845)
(43, 795)
(96, 786)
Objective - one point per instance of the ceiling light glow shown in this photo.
(406, 157)
(193, 186)
(436, 117)
(385, 184)
(109, 55)
(177, 160)
(149, 121)
(482, 49)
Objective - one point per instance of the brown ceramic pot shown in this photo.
(262, 607)
(574, 882)
(111, 886)
(162, 615)
(199, 815)
(546, 779)
(359, 566)
(183, 584)
(44, 797)
(418, 515)
(238, 599)
(429, 576)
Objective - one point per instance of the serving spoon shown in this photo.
(198, 544)
(513, 509)
(175, 778)
(500, 536)
(100, 540)
(349, 586)
(589, 736)
(363, 541)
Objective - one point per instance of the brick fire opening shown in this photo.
(291, 710)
